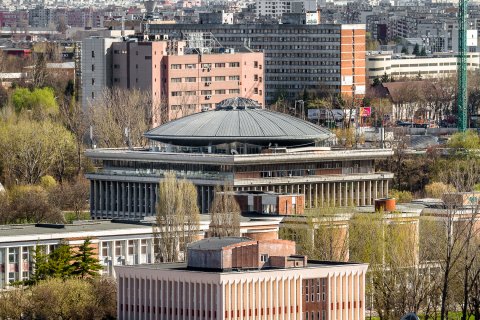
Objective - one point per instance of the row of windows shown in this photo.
(209, 92)
(207, 79)
(177, 66)
(301, 55)
(303, 63)
(309, 79)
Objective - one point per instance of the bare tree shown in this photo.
(225, 213)
(177, 221)
(120, 117)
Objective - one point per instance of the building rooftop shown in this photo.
(182, 266)
(216, 243)
(239, 120)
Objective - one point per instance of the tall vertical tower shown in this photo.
(462, 65)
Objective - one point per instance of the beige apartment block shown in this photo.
(183, 80)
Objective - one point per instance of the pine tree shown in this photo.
(40, 266)
(416, 50)
(404, 50)
(85, 264)
(423, 53)
(60, 262)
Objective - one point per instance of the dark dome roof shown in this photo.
(238, 124)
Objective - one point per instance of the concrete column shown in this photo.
(315, 204)
(322, 195)
(340, 195)
(328, 194)
(363, 193)
(358, 193)
(386, 191)
(334, 194)
(102, 201)
(382, 189)
(375, 190)
(110, 185)
(352, 197)
(370, 192)
(310, 195)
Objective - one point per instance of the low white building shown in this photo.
(116, 243)
(439, 65)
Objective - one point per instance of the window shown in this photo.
(116, 66)
(234, 64)
(206, 79)
(219, 65)
(190, 79)
(234, 78)
(206, 65)
(255, 77)
(93, 67)
(131, 247)
(176, 66)
(264, 257)
(189, 93)
(93, 81)
(13, 255)
(93, 54)
(221, 91)
(219, 78)
(148, 57)
(206, 92)
(176, 93)
(176, 80)
(206, 105)
(255, 64)
(143, 246)
(190, 66)
(234, 91)
(255, 90)
(93, 95)
(105, 249)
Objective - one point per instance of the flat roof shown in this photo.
(182, 266)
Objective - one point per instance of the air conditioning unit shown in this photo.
(208, 97)
(109, 259)
(207, 83)
(122, 258)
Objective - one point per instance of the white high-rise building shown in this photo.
(275, 8)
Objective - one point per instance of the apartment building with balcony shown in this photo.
(182, 77)
(298, 56)
(241, 278)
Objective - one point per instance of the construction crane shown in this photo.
(462, 65)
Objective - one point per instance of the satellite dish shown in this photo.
(410, 316)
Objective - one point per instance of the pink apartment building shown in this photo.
(183, 81)
(241, 278)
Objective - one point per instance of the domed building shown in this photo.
(239, 143)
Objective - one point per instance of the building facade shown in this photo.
(283, 286)
(96, 71)
(241, 144)
(298, 57)
(114, 243)
(182, 77)
(276, 8)
(436, 66)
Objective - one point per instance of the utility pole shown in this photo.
(462, 65)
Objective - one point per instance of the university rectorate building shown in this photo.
(242, 145)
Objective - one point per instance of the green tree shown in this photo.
(41, 102)
(225, 214)
(41, 270)
(85, 264)
(32, 149)
(416, 49)
(404, 50)
(423, 53)
(60, 262)
(177, 221)
(467, 140)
